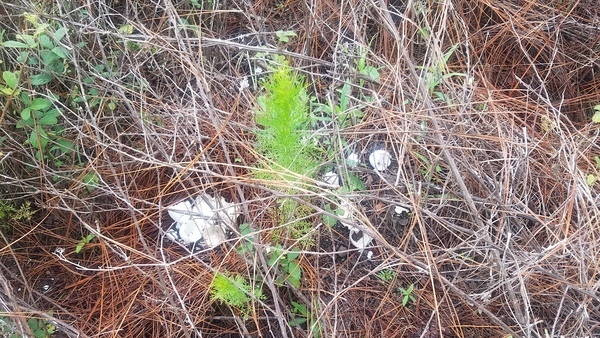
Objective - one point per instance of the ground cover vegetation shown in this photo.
(480, 217)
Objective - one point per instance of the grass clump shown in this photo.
(283, 116)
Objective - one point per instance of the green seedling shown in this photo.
(591, 179)
(386, 275)
(301, 316)
(84, 240)
(91, 180)
(40, 116)
(284, 36)
(41, 328)
(283, 115)
(407, 294)
(246, 245)
(287, 264)
(234, 291)
(434, 75)
(596, 117)
(331, 221)
(426, 168)
(9, 213)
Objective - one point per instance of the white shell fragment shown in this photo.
(358, 238)
(203, 219)
(401, 210)
(352, 160)
(380, 159)
(331, 178)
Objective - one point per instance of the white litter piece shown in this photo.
(380, 159)
(352, 160)
(359, 242)
(201, 220)
(331, 178)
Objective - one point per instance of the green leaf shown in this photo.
(61, 52)
(62, 145)
(50, 117)
(295, 272)
(48, 57)
(32, 323)
(284, 36)
(355, 183)
(591, 179)
(126, 29)
(15, 44)
(11, 79)
(26, 114)
(91, 181)
(329, 220)
(60, 33)
(40, 103)
(41, 333)
(292, 255)
(596, 117)
(597, 159)
(45, 41)
(40, 79)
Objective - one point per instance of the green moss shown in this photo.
(282, 117)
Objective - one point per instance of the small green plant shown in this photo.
(591, 179)
(283, 116)
(84, 240)
(297, 218)
(386, 275)
(407, 294)
(234, 291)
(301, 316)
(10, 213)
(41, 328)
(596, 117)
(246, 245)
(288, 266)
(427, 170)
(284, 36)
(434, 75)
(42, 50)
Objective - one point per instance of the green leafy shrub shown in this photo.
(288, 266)
(10, 213)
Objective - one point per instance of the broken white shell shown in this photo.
(181, 212)
(380, 159)
(400, 210)
(352, 160)
(213, 236)
(191, 231)
(331, 178)
(361, 242)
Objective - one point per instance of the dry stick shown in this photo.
(384, 12)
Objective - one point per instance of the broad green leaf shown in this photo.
(355, 183)
(329, 220)
(40, 79)
(48, 57)
(126, 29)
(292, 255)
(15, 44)
(590, 180)
(26, 114)
(596, 117)
(60, 33)
(60, 51)
(11, 79)
(50, 117)
(295, 273)
(284, 36)
(45, 41)
(62, 145)
(28, 39)
(40, 103)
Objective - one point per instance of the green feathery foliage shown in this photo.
(283, 115)
(234, 291)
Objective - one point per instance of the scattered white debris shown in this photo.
(380, 159)
(358, 238)
(331, 178)
(244, 84)
(401, 210)
(201, 220)
(352, 160)
(369, 255)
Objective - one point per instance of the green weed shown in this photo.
(84, 240)
(287, 264)
(301, 316)
(386, 275)
(407, 294)
(9, 213)
(234, 291)
(283, 116)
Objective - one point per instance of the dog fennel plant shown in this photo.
(234, 290)
(282, 116)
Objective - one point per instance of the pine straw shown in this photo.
(503, 240)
